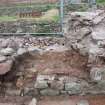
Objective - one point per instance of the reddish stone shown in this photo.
(5, 67)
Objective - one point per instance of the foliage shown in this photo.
(100, 1)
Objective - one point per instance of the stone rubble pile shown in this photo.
(12, 47)
(85, 34)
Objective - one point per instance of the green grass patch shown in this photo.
(100, 1)
(7, 18)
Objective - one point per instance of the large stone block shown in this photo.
(97, 73)
(73, 88)
(57, 85)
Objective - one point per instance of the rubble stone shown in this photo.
(5, 67)
(41, 84)
(7, 51)
(49, 92)
(83, 102)
(73, 88)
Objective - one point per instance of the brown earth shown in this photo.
(57, 100)
(61, 63)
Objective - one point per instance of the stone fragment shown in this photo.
(13, 92)
(83, 102)
(45, 77)
(34, 50)
(57, 85)
(57, 48)
(41, 85)
(99, 35)
(82, 33)
(7, 51)
(5, 67)
(49, 92)
(95, 50)
(33, 102)
(97, 73)
(31, 91)
(9, 43)
(21, 51)
(2, 59)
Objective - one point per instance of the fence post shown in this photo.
(61, 14)
(92, 3)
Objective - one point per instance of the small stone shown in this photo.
(33, 102)
(49, 92)
(5, 67)
(34, 50)
(83, 102)
(45, 77)
(2, 59)
(31, 91)
(41, 85)
(63, 92)
(21, 51)
(7, 51)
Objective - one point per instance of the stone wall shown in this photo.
(84, 33)
(72, 65)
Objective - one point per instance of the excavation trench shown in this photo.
(49, 67)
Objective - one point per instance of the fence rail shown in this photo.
(36, 17)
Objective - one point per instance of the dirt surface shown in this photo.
(57, 100)
(63, 63)
(15, 100)
(72, 100)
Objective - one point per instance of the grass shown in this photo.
(100, 1)
(7, 18)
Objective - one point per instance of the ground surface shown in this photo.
(62, 100)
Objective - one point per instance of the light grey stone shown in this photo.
(97, 73)
(95, 50)
(49, 92)
(7, 51)
(21, 51)
(41, 85)
(33, 102)
(2, 59)
(73, 88)
(34, 50)
(83, 102)
(98, 35)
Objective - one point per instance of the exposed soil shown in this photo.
(72, 100)
(57, 100)
(61, 63)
